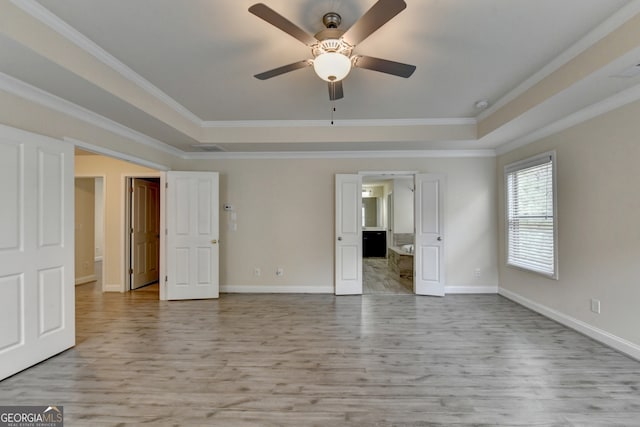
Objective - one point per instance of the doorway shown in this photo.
(428, 232)
(142, 207)
(388, 232)
(115, 173)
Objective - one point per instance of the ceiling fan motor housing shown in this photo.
(331, 20)
(330, 40)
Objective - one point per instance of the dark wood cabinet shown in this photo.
(374, 243)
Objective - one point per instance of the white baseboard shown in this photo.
(620, 344)
(490, 289)
(86, 279)
(282, 289)
(114, 287)
(275, 289)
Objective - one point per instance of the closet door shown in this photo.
(37, 293)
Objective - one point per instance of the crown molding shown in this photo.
(115, 154)
(42, 14)
(338, 123)
(24, 90)
(609, 104)
(441, 154)
(49, 19)
(598, 33)
(31, 93)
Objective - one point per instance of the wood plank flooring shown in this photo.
(320, 360)
(378, 279)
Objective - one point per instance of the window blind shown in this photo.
(530, 215)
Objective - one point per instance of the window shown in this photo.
(530, 211)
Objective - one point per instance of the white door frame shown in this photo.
(397, 174)
(160, 174)
(127, 224)
(124, 234)
(125, 242)
(362, 174)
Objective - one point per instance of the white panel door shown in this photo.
(37, 292)
(428, 256)
(145, 236)
(348, 238)
(192, 235)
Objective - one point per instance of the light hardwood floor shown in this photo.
(378, 279)
(303, 360)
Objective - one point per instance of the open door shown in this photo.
(348, 238)
(429, 239)
(145, 232)
(37, 284)
(192, 235)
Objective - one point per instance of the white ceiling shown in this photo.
(203, 54)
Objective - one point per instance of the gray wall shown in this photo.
(598, 212)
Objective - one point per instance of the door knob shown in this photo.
(339, 238)
(214, 241)
(439, 239)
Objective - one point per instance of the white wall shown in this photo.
(99, 218)
(285, 217)
(84, 235)
(403, 205)
(598, 228)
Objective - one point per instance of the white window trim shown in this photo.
(522, 164)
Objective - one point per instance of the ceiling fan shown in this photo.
(332, 48)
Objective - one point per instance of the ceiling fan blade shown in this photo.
(379, 14)
(335, 90)
(284, 69)
(274, 18)
(384, 66)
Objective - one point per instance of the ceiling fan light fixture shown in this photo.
(332, 66)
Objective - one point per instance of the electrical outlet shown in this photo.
(595, 305)
(476, 273)
(280, 272)
(257, 272)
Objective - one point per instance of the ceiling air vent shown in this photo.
(207, 148)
